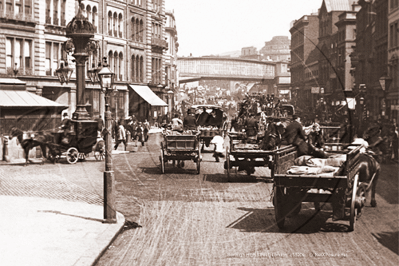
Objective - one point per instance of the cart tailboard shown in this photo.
(181, 142)
(310, 181)
(284, 159)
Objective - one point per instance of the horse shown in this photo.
(41, 139)
(273, 136)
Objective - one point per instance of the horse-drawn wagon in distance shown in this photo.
(211, 121)
(74, 142)
(178, 148)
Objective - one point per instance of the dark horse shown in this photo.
(272, 138)
(40, 139)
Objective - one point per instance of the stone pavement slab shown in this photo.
(39, 231)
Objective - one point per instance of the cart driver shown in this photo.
(189, 122)
(65, 128)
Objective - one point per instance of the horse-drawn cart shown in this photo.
(291, 189)
(180, 148)
(244, 155)
(76, 142)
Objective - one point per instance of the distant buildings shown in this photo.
(278, 49)
(356, 49)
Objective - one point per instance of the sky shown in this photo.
(210, 27)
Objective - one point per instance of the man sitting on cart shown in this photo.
(295, 135)
(65, 129)
(190, 122)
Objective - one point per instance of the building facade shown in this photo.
(171, 71)
(278, 49)
(392, 91)
(130, 34)
(304, 60)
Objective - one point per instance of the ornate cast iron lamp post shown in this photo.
(106, 78)
(80, 30)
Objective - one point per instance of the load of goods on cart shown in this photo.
(250, 132)
(342, 179)
(211, 121)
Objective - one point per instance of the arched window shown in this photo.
(110, 61)
(137, 68)
(63, 8)
(141, 30)
(120, 21)
(141, 69)
(137, 31)
(109, 23)
(133, 28)
(116, 69)
(114, 24)
(88, 11)
(133, 62)
(120, 66)
(94, 19)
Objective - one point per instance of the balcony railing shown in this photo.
(159, 43)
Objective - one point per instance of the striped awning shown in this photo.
(148, 95)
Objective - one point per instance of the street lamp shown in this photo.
(64, 73)
(106, 78)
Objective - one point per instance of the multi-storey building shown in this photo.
(131, 34)
(278, 49)
(249, 52)
(328, 40)
(392, 92)
(304, 58)
(345, 39)
(171, 71)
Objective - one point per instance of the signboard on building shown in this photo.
(315, 90)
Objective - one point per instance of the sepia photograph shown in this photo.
(213, 132)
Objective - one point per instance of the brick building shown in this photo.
(304, 58)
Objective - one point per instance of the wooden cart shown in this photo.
(245, 156)
(180, 148)
(291, 190)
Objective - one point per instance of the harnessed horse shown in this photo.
(41, 139)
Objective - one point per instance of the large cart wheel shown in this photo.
(99, 155)
(199, 162)
(162, 159)
(72, 155)
(278, 203)
(228, 164)
(353, 210)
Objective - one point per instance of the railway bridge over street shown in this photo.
(235, 70)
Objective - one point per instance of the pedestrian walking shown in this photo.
(218, 141)
(147, 127)
(120, 135)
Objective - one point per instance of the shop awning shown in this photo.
(148, 95)
(19, 98)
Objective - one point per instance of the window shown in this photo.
(48, 11)
(116, 65)
(63, 7)
(110, 58)
(120, 21)
(9, 57)
(95, 16)
(120, 66)
(88, 13)
(55, 12)
(109, 23)
(52, 57)
(18, 7)
(114, 24)
(18, 53)
(9, 7)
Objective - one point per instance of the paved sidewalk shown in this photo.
(40, 231)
